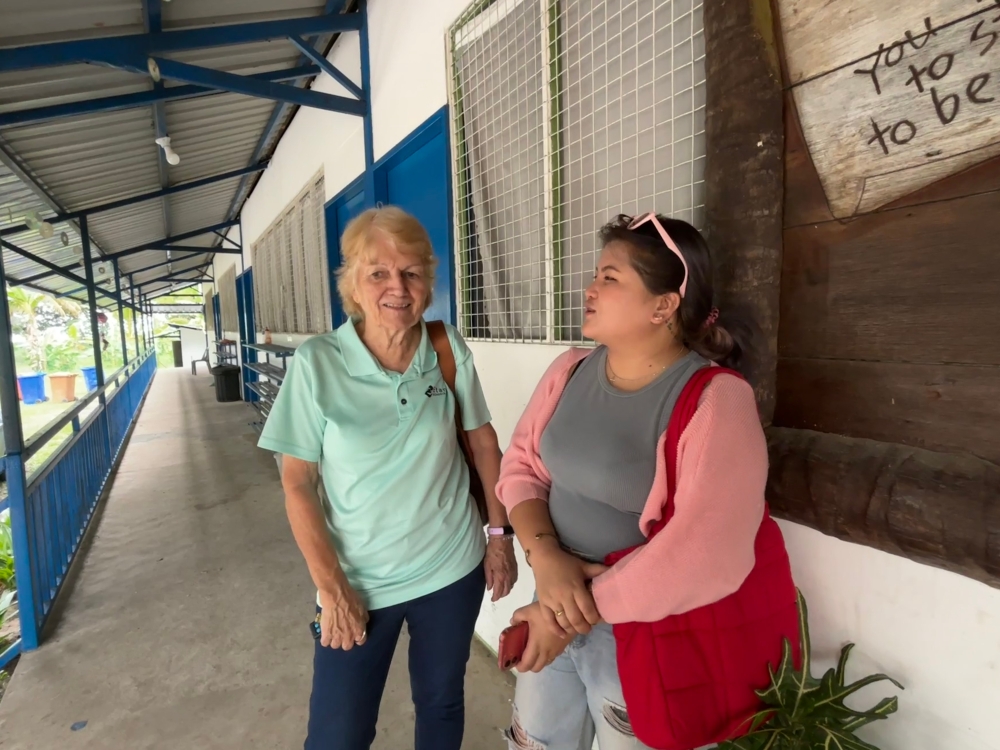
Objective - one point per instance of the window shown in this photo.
(290, 290)
(565, 113)
(228, 310)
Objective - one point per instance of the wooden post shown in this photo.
(744, 170)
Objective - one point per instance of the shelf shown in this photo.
(281, 351)
(264, 389)
(267, 370)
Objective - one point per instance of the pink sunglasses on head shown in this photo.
(638, 221)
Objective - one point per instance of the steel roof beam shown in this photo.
(224, 238)
(57, 271)
(153, 20)
(168, 272)
(120, 51)
(162, 263)
(166, 240)
(139, 99)
(44, 263)
(171, 289)
(179, 248)
(236, 84)
(172, 276)
(201, 182)
(332, 8)
(329, 68)
(207, 250)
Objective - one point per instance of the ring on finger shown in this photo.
(362, 637)
(560, 613)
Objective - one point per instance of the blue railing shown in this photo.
(51, 512)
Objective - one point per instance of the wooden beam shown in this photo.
(744, 170)
(935, 508)
(952, 408)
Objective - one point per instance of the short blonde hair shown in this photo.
(405, 231)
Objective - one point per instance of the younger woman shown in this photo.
(591, 471)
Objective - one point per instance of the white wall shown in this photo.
(936, 632)
(193, 345)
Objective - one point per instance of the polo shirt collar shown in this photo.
(360, 362)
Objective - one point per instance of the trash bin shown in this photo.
(89, 378)
(63, 385)
(227, 382)
(32, 388)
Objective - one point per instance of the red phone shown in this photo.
(513, 641)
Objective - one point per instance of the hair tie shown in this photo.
(712, 317)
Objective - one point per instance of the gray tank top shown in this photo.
(600, 449)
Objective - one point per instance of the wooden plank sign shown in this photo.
(893, 96)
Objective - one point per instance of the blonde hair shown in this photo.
(405, 231)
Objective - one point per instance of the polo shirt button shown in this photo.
(403, 402)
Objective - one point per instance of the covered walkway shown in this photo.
(187, 624)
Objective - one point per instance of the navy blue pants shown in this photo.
(347, 685)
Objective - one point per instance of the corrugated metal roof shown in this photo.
(91, 159)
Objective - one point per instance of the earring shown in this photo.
(670, 325)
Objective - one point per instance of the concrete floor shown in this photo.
(188, 625)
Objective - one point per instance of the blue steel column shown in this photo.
(366, 89)
(88, 265)
(135, 314)
(121, 312)
(16, 480)
(142, 323)
(149, 324)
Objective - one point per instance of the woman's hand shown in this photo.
(501, 567)
(561, 582)
(543, 645)
(344, 619)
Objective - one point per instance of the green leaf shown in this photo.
(806, 713)
(885, 707)
(842, 693)
(803, 678)
(837, 740)
(774, 695)
(845, 653)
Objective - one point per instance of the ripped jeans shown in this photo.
(574, 699)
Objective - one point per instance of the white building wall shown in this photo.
(193, 345)
(936, 632)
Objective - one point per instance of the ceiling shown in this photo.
(58, 156)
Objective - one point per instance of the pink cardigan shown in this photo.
(706, 551)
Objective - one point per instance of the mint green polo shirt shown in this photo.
(397, 503)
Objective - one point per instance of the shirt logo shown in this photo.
(433, 391)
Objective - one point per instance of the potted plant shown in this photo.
(805, 713)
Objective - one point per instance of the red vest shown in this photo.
(689, 679)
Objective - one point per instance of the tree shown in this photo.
(33, 315)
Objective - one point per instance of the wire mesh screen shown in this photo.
(291, 293)
(566, 113)
(228, 310)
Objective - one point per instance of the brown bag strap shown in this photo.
(449, 370)
(442, 347)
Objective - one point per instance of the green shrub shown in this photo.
(806, 713)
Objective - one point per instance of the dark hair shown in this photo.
(726, 340)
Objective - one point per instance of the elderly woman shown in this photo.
(397, 536)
